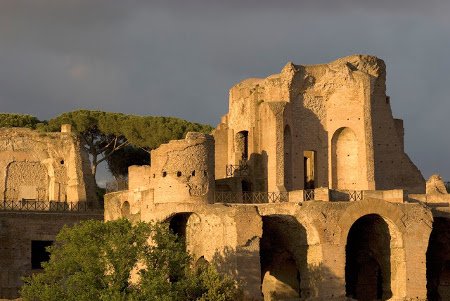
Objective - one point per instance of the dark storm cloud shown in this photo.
(180, 57)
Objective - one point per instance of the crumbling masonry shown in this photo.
(45, 183)
(304, 191)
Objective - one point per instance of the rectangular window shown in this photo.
(309, 160)
(39, 253)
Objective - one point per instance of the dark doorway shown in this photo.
(241, 143)
(438, 261)
(368, 268)
(246, 191)
(280, 276)
(178, 225)
(39, 253)
(309, 165)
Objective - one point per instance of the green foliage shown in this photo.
(120, 160)
(117, 138)
(149, 131)
(105, 133)
(18, 120)
(94, 261)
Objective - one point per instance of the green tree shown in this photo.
(18, 120)
(104, 133)
(100, 132)
(96, 261)
(120, 160)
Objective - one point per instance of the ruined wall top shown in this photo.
(183, 170)
(43, 166)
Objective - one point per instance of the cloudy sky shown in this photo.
(179, 58)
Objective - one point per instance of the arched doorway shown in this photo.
(180, 224)
(287, 158)
(438, 261)
(283, 251)
(368, 259)
(345, 159)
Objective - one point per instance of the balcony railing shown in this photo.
(32, 205)
(308, 195)
(241, 170)
(250, 197)
(355, 195)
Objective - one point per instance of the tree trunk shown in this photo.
(94, 166)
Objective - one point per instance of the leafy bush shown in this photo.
(114, 261)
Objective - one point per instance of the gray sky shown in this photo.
(179, 58)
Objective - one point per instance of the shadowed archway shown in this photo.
(368, 259)
(283, 251)
(438, 261)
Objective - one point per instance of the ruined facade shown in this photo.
(45, 183)
(313, 198)
(44, 167)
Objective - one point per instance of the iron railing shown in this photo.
(355, 195)
(308, 195)
(241, 170)
(250, 197)
(32, 205)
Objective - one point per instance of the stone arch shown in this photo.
(182, 224)
(287, 142)
(287, 248)
(438, 260)
(125, 210)
(345, 159)
(381, 218)
(368, 259)
(26, 181)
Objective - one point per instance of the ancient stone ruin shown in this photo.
(45, 183)
(303, 191)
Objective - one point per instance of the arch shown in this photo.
(181, 223)
(280, 261)
(368, 259)
(287, 137)
(345, 159)
(438, 260)
(288, 248)
(389, 216)
(125, 209)
(26, 181)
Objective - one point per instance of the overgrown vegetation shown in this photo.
(114, 261)
(119, 139)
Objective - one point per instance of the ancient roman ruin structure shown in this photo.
(305, 192)
(45, 183)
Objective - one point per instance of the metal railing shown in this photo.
(241, 170)
(308, 195)
(250, 197)
(355, 195)
(31, 205)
